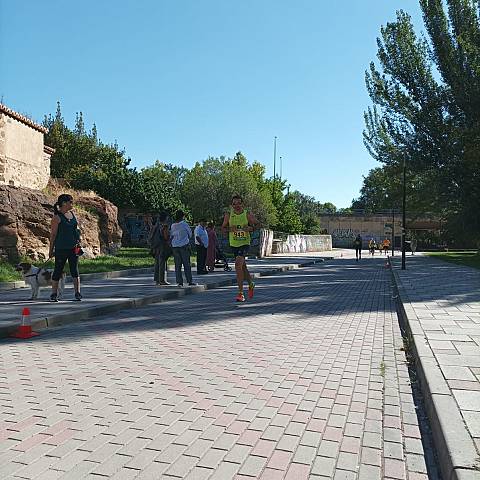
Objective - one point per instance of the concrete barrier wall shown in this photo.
(294, 243)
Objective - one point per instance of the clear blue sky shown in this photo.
(180, 80)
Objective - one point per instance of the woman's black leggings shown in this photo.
(61, 257)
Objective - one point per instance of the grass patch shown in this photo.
(8, 273)
(126, 258)
(470, 258)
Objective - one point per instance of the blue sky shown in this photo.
(181, 80)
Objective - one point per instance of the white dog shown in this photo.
(39, 277)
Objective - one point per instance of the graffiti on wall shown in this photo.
(136, 229)
(344, 237)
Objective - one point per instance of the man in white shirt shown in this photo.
(180, 234)
(201, 242)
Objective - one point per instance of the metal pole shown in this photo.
(393, 232)
(280, 168)
(274, 158)
(404, 204)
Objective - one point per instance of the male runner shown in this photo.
(239, 223)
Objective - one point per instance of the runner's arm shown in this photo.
(226, 219)
(252, 222)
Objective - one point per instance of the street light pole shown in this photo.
(274, 158)
(280, 168)
(404, 204)
(393, 232)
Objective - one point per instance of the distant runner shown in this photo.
(386, 246)
(239, 223)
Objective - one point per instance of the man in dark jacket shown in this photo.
(159, 240)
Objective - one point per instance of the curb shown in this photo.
(93, 312)
(88, 277)
(456, 452)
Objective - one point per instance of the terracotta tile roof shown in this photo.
(22, 118)
(48, 150)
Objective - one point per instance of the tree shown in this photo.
(426, 99)
(209, 186)
(160, 188)
(289, 220)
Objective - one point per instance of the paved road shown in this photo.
(308, 380)
(117, 290)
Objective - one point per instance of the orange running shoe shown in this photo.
(240, 297)
(251, 287)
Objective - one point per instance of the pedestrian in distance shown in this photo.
(357, 243)
(201, 244)
(159, 240)
(65, 244)
(180, 235)
(413, 245)
(372, 246)
(239, 223)
(212, 247)
(386, 246)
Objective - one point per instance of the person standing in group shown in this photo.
(239, 223)
(64, 244)
(212, 247)
(159, 240)
(180, 235)
(357, 243)
(201, 244)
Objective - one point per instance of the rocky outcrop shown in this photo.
(25, 217)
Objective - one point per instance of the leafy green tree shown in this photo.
(110, 176)
(289, 220)
(209, 186)
(311, 225)
(426, 98)
(160, 189)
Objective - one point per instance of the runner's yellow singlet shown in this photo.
(242, 236)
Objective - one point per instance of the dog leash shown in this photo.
(39, 269)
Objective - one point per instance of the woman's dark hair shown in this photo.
(63, 198)
(162, 216)
(237, 197)
(179, 215)
(210, 225)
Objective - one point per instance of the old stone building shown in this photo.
(24, 159)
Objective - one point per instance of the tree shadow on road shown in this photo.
(336, 288)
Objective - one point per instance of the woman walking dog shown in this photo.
(64, 244)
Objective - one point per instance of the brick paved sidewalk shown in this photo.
(442, 305)
(307, 381)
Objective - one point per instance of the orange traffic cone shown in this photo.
(25, 329)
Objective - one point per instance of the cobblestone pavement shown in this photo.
(119, 289)
(306, 381)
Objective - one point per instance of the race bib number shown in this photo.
(239, 234)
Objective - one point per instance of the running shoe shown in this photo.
(240, 297)
(251, 288)
(78, 297)
(54, 297)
